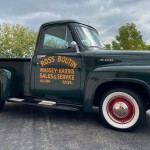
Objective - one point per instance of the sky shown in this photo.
(104, 15)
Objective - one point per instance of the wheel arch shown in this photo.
(5, 77)
(137, 86)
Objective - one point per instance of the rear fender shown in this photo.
(5, 77)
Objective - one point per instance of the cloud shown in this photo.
(105, 16)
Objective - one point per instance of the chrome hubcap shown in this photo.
(120, 110)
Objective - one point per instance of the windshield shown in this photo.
(89, 37)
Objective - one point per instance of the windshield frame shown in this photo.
(101, 46)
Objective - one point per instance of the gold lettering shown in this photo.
(42, 63)
(66, 82)
(47, 61)
(67, 61)
(45, 81)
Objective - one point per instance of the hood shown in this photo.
(121, 58)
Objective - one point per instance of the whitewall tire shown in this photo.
(2, 103)
(122, 109)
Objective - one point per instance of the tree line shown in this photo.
(17, 41)
(128, 38)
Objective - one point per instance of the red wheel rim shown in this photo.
(120, 110)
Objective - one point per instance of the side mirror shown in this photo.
(74, 45)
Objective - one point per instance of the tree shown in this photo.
(16, 41)
(147, 47)
(129, 38)
(108, 46)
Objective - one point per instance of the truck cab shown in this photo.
(71, 69)
(59, 68)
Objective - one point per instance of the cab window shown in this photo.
(57, 37)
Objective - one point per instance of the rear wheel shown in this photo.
(122, 109)
(2, 103)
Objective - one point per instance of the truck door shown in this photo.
(56, 66)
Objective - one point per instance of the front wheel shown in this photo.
(2, 103)
(122, 109)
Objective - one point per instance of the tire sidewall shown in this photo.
(2, 103)
(139, 106)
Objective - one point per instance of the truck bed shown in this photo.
(19, 67)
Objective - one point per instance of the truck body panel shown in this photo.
(5, 78)
(70, 68)
(63, 71)
(19, 80)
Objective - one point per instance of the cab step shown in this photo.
(16, 100)
(46, 103)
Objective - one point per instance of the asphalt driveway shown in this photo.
(35, 128)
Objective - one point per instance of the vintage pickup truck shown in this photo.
(71, 69)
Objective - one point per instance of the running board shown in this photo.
(49, 103)
(16, 100)
(45, 103)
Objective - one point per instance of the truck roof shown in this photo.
(61, 21)
(64, 21)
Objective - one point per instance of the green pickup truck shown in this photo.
(71, 69)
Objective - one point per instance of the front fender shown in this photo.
(100, 76)
(5, 77)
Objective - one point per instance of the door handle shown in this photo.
(38, 58)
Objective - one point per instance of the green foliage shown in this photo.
(147, 47)
(129, 38)
(16, 41)
(54, 43)
(50, 43)
(108, 46)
